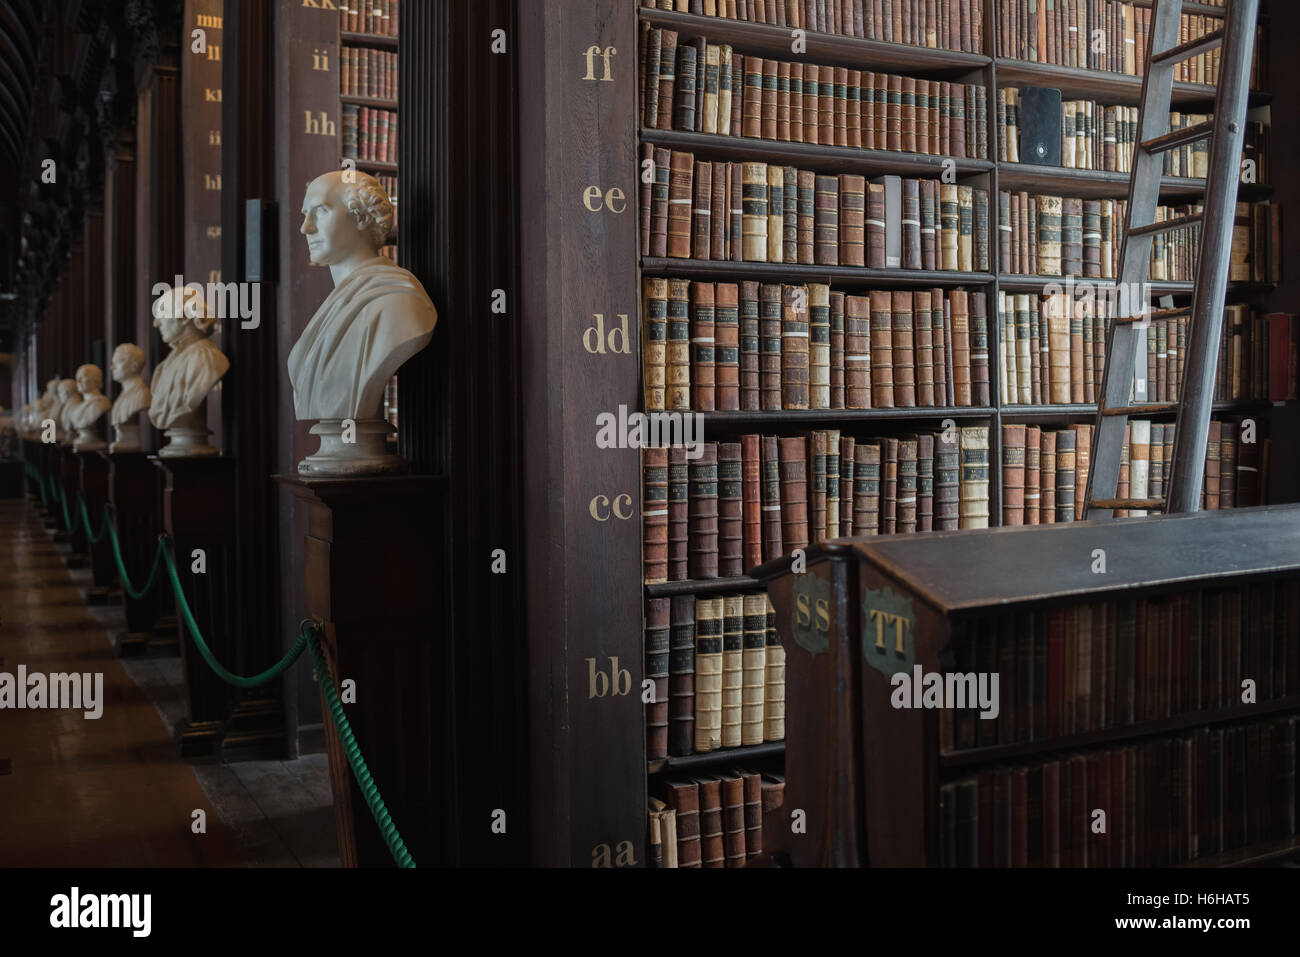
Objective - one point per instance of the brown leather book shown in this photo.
(848, 448)
(726, 347)
(929, 224)
(751, 492)
(979, 349)
(906, 522)
(703, 361)
(712, 830)
(819, 346)
(939, 336)
(923, 334)
(947, 465)
(1013, 475)
(749, 348)
(769, 357)
(1047, 478)
(922, 124)
(959, 321)
(867, 110)
(790, 215)
(701, 211)
(769, 124)
(659, 203)
(684, 798)
(731, 532)
(733, 818)
(771, 499)
(852, 220)
(882, 360)
(654, 514)
(853, 108)
(735, 231)
(703, 504)
(753, 797)
(796, 102)
(894, 116)
(782, 131)
(733, 623)
(667, 80)
(752, 98)
(754, 667)
(949, 226)
(646, 198)
(677, 352)
(684, 113)
(678, 514)
(806, 215)
(903, 351)
(719, 214)
(817, 471)
(866, 489)
(658, 613)
(857, 357)
(775, 213)
(826, 107)
(680, 191)
(794, 347)
(911, 224)
(907, 114)
(826, 230)
(1033, 451)
(1082, 464)
(794, 493)
(924, 482)
(681, 676)
(888, 486)
(876, 226)
(811, 101)
(837, 351)
(841, 105)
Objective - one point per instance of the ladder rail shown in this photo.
(1185, 481)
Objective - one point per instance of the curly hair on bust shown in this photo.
(370, 206)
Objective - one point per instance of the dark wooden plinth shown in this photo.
(198, 513)
(372, 578)
(135, 489)
(93, 472)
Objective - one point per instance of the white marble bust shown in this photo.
(69, 399)
(183, 379)
(128, 363)
(87, 413)
(47, 407)
(376, 318)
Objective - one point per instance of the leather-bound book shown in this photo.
(866, 489)
(726, 347)
(905, 513)
(1227, 465)
(667, 80)
(1025, 309)
(751, 490)
(733, 818)
(1065, 471)
(853, 109)
(782, 101)
(655, 845)
(712, 843)
(826, 230)
(1032, 497)
(678, 514)
(684, 98)
(852, 220)
(857, 355)
(769, 124)
(794, 347)
(680, 190)
(796, 102)
(906, 114)
(1072, 237)
(949, 226)
(1077, 351)
(769, 357)
(903, 350)
(652, 52)
(775, 213)
(658, 613)
(731, 528)
(1082, 465)
(790, 215)
(794, 493)
(894, 116)
(771, 499)
(755, 217)
(684, 798)
(817, 485)
(929, 224)
(1047, 478)
(719, 218)
(837, 351)
(811, 101)
(703, 542)
(646, 199)
(980, 230)
(848, 448)
(892, 219)
(939, 336)
(876, 228)
(924, 338)
(753, 798)
(979, 349)
(708, 673)
(654, 514)
(703, 353)
(681, 676)
(754, 668)
(736, 212)
(965, 228)
(1013, 475)
(708, 121)
(888, 486)
(659, 203)
(974, 488)
(922, 124)
(752, 94)
(959, 322)
(701, 71)
(1058, 317)
(832, 526)
(924, 482)
(806, 217)
(882, 346)
(911, 224)
(733, 622)
(1049, 235)
(677, 352)
(1039, 359)
(1212, 483)
(727, 83)
(774, 679)
(819, 346)
(749, 346)
(654, 346)
(826, 107)
(1006, 261)
(867, 110)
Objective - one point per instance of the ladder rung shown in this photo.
(1185, 51)
(1114, 503)
(1167, 225)
(1176, 138)
(1155, 315)
(1153, 408)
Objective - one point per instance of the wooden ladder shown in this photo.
(1121, 395)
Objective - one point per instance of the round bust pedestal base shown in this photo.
(127, 437)
(360, 450)
(188, 438)
(87, 440)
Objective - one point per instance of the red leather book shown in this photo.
(857, 357)
(771, 499)
(848, 449)
(681, 676)
(658, 614)
(852, 220)
(726, 350)
(731, 533)
(751, 491)
(680, 191)
(684, 798)
(1013, 475)
(959, 323)
(866, 489)
(1033, 496)
(753, 797)
(826, 221)
(701, 212)
(678, 514)
(882, 359)
(654, 513)
(749, 347)
(889, 486)
(703, 360)
(703, 541)
(712, 844)
(733, 818)
(793, 468)
(770, 351)
(794, 347)
(903, 350)
(817, 486)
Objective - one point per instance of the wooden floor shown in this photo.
(113, 791)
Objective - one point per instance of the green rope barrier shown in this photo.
(307, 639)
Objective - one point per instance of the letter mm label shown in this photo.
(888, 632)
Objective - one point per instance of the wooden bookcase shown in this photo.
(993, 72)
(869, 774)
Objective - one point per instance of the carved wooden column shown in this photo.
(94, 489)
(135, 490)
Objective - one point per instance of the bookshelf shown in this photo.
(991, 71)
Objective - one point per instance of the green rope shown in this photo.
(85, 520)
(121, 566)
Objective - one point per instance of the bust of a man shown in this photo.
(91, 408)
(377, 317)
(69, 399)
(194, 365)
(128, 362)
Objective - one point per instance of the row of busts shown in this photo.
(74, 407)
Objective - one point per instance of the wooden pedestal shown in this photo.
(70, 477)
(135, 489)
(93, 471)
(198, 513)
(372, 577)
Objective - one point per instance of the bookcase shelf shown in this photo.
(1036, 284)
(1252, 855)
(808, 418)
(841, 276)
(702, 586)
(1111, 88)
(378, 40)
(963, 760)
(717, 759)
(1100, 184)
(369, 101)
(839, 159)
(774, 41)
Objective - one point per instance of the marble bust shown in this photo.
(376, 318)
(127, 365)
(35, 412)
(183, 379)
(85, 416)
(69, 399)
